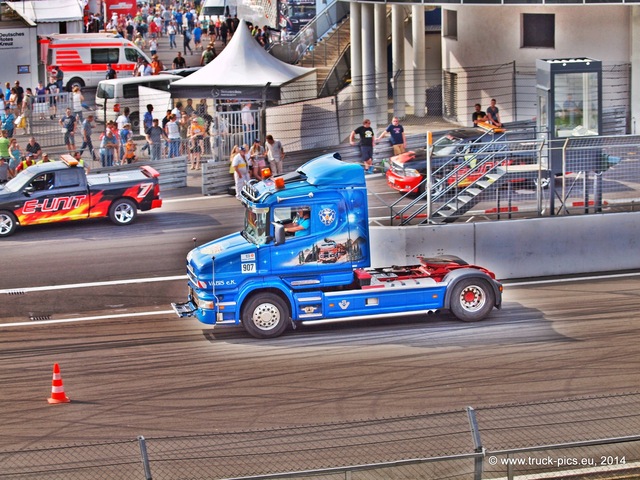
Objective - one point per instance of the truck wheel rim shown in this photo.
(472, 298)
(124, 213)
(266, 316)
(5, 224)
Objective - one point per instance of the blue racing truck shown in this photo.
(304, 255)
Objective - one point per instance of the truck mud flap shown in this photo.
(186, 309)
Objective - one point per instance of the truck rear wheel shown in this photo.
(472, 299)
(123, 211)
(265, 315)
(8, 224)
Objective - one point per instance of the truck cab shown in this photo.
(274, 273)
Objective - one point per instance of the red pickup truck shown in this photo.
(61, 191)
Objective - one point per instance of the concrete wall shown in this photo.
(490, 36)
(520, 248)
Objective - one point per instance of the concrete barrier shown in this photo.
(521, 248)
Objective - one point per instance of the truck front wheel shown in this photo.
(472, 299)
(8, 224)
(265, 315)
(123, 211)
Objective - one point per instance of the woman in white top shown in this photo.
(77, 100)
(172, 129)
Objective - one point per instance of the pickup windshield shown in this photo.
(18, 182)
(445, 145)
(256, 225)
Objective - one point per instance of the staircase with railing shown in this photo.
(321, 44)
(464, 179)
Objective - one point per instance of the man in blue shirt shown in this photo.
(8, 121)
(147, 122)
(300, 225)
(398, 138)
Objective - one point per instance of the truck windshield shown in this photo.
(256, 225)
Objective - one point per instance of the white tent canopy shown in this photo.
(245, 70)
(49, 12)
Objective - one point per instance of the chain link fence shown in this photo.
(584, 437)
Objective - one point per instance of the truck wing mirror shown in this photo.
(279, 233)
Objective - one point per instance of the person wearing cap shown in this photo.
(196, 133)
(240, 167)
(256, 159)
(111, 73)
(26, 163)
(156, 65)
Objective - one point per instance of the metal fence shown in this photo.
(582, 437)
(507, 178)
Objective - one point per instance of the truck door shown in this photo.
(316, 240)
(55, 196)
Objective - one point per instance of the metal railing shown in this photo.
(583, 437)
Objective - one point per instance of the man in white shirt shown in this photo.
(275, 154)
(240, 166)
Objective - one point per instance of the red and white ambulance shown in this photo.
(83, 57)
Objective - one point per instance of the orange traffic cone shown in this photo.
(57, 389)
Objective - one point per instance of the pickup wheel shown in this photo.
(8, 224)
(265, 315)
(472, 299)
(123, 211)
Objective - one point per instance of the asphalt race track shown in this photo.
(131, 367)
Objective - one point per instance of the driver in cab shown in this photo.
(300, 225)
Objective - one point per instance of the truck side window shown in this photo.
(296, 220)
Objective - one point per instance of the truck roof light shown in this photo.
(266, 173)
(279, 181)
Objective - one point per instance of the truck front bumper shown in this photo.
(204, 310)
(186, 309)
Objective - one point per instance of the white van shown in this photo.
(212, 9)
(113, 95)
(84, 57)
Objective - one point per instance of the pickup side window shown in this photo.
(44, 181)
(69, 178)
(105, 55)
